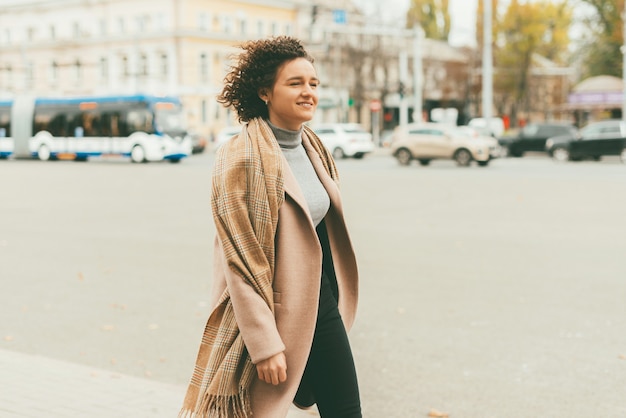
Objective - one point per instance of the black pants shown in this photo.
(330, 373)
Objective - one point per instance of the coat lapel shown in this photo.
(292, 188)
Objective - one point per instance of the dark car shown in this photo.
(198, 142)
(595, 140)
(533, 136)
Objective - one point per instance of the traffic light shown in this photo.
(401, 89)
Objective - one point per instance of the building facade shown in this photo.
(182, 48)
(162, 47)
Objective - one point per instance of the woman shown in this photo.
(285, 274)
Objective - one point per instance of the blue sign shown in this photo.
(339, 16)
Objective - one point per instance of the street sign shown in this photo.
(375, 105)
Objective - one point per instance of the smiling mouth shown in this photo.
(305, 104)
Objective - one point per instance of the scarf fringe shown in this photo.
(221, 406)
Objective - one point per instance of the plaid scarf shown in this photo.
(247, 191)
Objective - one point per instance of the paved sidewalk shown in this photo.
(35, 387)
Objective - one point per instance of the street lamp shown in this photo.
(623, 49)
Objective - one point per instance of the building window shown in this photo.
(76, 30)
(121, 27)
(204, 68)
(104, 69)
(78, 71)
(164, 66)
(288, 30)
(30, 34)
(30, 75)
(274, 29)
(159, 21)
(54, 72)
(9, 76)
(53, 32)
(227, 24)
(243, 27)
(103, 27)
(7, 36)
(260, 29)
(141, 24)
(203, 22)
(125, 69)
(143, 65)
(204, 111)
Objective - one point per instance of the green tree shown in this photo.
(524, 30)
(432, 15)
(601, 50)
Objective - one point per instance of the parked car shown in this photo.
(533, 136)
(483, 134)
(345, 140)
(425, 142)
(592, 142)
(495, 125)
(225, 134)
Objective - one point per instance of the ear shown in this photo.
(263, 94)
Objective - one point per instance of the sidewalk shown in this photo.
(35, 387)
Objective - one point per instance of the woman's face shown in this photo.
(293, 98)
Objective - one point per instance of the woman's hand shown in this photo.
(273, 370)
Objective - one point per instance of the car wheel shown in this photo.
(338, 153)
(44, 153)
(174, 160)
(597, 157)
(483, 163)
(138, 155)
(404, 156)
(463, 157)
(358, 155)
(561, 155)
(424, 162)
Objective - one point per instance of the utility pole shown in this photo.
(404, 109)
(624, 64)
(487, 90)
(417, 73)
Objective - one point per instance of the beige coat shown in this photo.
(296, 290)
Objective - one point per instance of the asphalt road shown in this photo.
(493, 292)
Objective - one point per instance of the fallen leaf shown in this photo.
(622, 356)
(148, 373)
(437, 414)
(113, 361)
(80, 276)
(108, 327)
(8, 338)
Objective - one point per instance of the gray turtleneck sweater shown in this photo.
(314, 192)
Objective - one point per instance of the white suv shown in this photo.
(425, 142)
(345, 140)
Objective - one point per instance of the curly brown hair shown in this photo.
(255, 69)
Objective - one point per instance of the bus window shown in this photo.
(139, 120)
(5, 122)
(50, 120)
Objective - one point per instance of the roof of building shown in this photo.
(601, 83)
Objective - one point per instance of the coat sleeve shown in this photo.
(255, 319)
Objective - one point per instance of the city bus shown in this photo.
(6, 143)
(140, 127)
